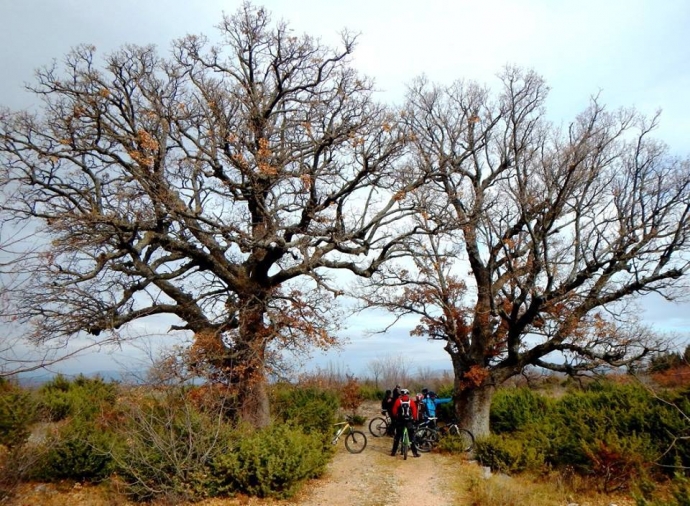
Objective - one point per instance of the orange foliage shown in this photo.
(475, 377)
(672, 378)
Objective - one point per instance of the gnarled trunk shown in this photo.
(237, 358)
(249, 378)
(472, 408)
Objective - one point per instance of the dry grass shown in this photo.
(477, 488)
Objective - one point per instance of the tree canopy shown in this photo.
(223, 185)
(533, 234)
(217, 186)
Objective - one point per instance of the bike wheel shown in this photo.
(466, 438)
(378, 427)
(356, 441)
(425, 440)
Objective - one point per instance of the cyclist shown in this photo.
(387, 402)
(396, 393)
(431, 401)
(386, 407)
(404, 414)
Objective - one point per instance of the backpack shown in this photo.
(405, 412)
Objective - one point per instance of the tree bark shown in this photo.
(473, 407)
(249, 371)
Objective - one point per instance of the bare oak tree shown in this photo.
(534, 236)
(218, 186)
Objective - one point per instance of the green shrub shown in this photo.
(272, 462)
(80, 450)
(84, 397)
(513, 409)
(170, 444)
(369, 392)
(611, 432)
(617, 462)
(608, 413)
(507, 454)
(678, 493)
(17, 412)
(311, 409)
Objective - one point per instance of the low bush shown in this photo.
(16, 465)
(608, 432)
(17, 412)
(509, 454)
(170, 444)
(311, 409)
(513, 409)
(79, 450)
(271, 462)
(84, 397)
(616, 462)
(351, 397)
(370, 392)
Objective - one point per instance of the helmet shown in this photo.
(432, 394)
(404, 391)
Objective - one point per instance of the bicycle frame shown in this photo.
(430, 422)
(405, 443)
(355, 440)
(341, 431)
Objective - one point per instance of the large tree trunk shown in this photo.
(249, 368)
(238, 361)
(472, 408)
(249, 377)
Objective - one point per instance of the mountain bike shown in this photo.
(355, 440)
(428, 435)
(381, 425)
(405, 442)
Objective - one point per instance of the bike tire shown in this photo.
(378, 427)
(425, 440)
(466, 438)
(356, 441)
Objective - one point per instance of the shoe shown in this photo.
(393, 454)
(417, 456)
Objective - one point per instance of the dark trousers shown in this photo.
(399, 426)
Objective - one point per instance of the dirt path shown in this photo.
(374, 478)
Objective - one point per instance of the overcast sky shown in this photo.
(631, 52)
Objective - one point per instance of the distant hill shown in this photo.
(36, 379)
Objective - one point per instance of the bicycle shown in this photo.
(355, 440)
(405, 442)
(428, 435)
(381, 425)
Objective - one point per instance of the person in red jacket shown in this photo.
(404, 414)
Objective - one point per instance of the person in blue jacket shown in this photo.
(431, 401)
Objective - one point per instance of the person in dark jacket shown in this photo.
(400, 422)
(396, 392)
(387, 402)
